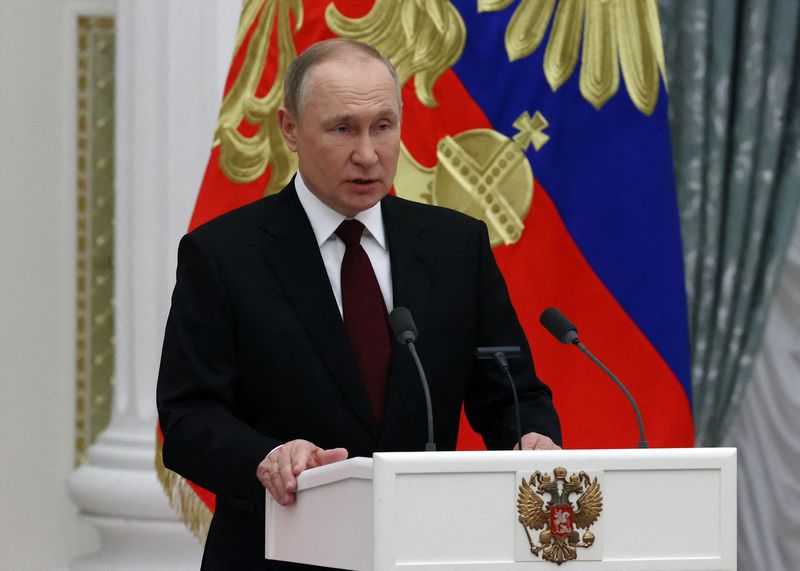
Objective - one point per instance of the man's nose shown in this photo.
(365, 152)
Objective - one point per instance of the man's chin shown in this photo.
(363, 199)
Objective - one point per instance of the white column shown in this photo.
(172, 57)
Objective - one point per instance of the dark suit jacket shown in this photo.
(256, 354)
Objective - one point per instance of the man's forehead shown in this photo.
(355, 90)
(350, 69)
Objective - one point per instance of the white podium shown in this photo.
(658, 509)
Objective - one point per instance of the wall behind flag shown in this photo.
(38, 257)
(38, 64)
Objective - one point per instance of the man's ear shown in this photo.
(288, 125)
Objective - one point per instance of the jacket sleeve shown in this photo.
(204, 439)
(489, 402)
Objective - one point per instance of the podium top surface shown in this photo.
(498, 460)
(358, 467)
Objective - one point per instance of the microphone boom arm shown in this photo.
(430, 446)
(565, 331)
(613, 377)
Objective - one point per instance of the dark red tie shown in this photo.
(365, 317)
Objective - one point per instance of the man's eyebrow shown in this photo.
(388, 112)
(340, 119)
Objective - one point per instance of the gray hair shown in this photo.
(295, 86)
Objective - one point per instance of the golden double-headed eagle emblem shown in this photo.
(558, 517)
(481, 172)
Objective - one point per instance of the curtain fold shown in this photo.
(733, 85)
(765, 431)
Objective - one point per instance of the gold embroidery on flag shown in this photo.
(641, 54)
(561, 54)
(245, 158)
(194, 514)
(599, 81)
(527, 27)
(531, 131)
(479, 172)
(616, 33)
(422, 38)
(493, 5)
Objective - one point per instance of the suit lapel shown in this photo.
(291, 251)
(409, 254)
(412, 278)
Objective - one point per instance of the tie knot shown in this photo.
(350, 232)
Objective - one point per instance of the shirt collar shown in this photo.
(324, 220)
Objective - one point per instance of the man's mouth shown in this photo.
(363, 181)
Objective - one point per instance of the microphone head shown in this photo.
(559, 326)
(402, 325)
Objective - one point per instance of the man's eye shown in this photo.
(341, 129)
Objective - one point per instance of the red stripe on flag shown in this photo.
(546, 268)
(209, 499)
(424, 127)
(219, 195)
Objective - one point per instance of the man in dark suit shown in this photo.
(277, 355)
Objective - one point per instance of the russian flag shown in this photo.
(602, 239)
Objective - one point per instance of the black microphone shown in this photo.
(562, 329)
(501, 355)
(559, 326)
(405, 332)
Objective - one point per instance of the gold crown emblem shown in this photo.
(482, 173)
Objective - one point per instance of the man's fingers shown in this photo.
(540, 443)
(275, 488)
(535, 441)
(300, 454)
(281, 478)
(269, 475)
(331, 455)
(544, 445)
(278, 472)
(285, 474)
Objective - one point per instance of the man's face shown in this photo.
(347, 137)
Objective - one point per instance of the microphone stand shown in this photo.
(430, 446)
(607, 371)
(500, 356)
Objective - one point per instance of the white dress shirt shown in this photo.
(325, 221)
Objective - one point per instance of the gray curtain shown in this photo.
(765, 430)
(734, 89)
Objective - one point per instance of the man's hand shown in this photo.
(279, 470)
(536, 441)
